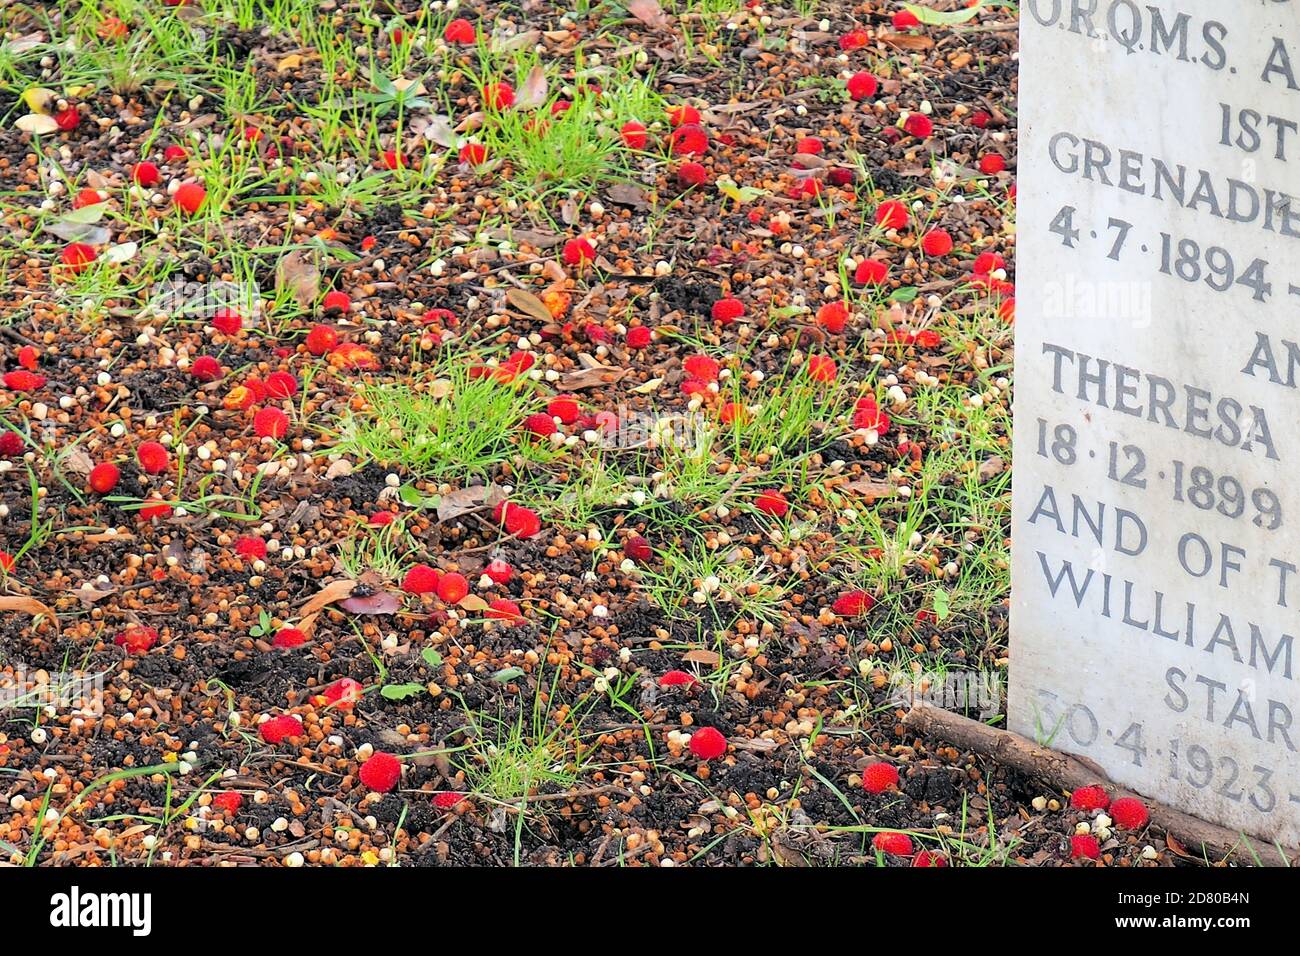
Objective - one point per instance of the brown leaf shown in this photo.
(464, 500)
(472, 603)
(869, 489)
(700, 656)
(300, 277)
(992, 467)
(627, 194)
(334, 591)
(648, 12)
(907, 41)
(532, 93)
(591, 377)
(29, 605)
(380, 602)
(526, 302)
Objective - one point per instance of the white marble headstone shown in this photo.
(1156, 539)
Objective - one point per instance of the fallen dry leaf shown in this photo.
(591, 377)
(700, 656)
(29, 605)
(648, 12)
(298, 275)
(907, 41)
(526, 302)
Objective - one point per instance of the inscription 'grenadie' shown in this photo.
(1187, 408)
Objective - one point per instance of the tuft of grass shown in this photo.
(448, 425)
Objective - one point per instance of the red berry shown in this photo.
(702, 367)
(271, 423)
(891, 215)
(393, 159)
(343, 693)
(683, 114)
(421, 579)
(498, 96)
(154, 508)
(289, 637)
(879, 777)
(103, 477)
(578, 252)
(473, 154)
(563, 407)
(227, 321)
(146, 174)
(447, 799)
(852, 603)
(854, 40)
(638, 337)
(926, 858)
(822, 368)
(867, 415)
(936, 242)
(78, 255)
(1085, 846)
(919, 125)
(727, 310)
(905, 20)
(870, 272)
(862, 86)
(281, 385)
(1089, 799)
(540, 425)
(772, 503)
(691, 175)
(21, 380)
(460, 31)
(1130, 813)
(228, 802)
(175, 154)
(381, 772)
(153, 457)
(893, 844)
(281, 728)
(506, 611)
(336, 300)
(992, 163)
(68, 119)
(833, 317)
(11, 443)
(634, 135)
(638, 549)
(321, 339)
(206, 369)
(86, 197)
(251, 548)
(190, 197)
(676, 679)
(499, 571)
(689, 140)
(707, 743)
(809, 146)
(137, 640)
(519, 521)
(987, 262)
(452, 587)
